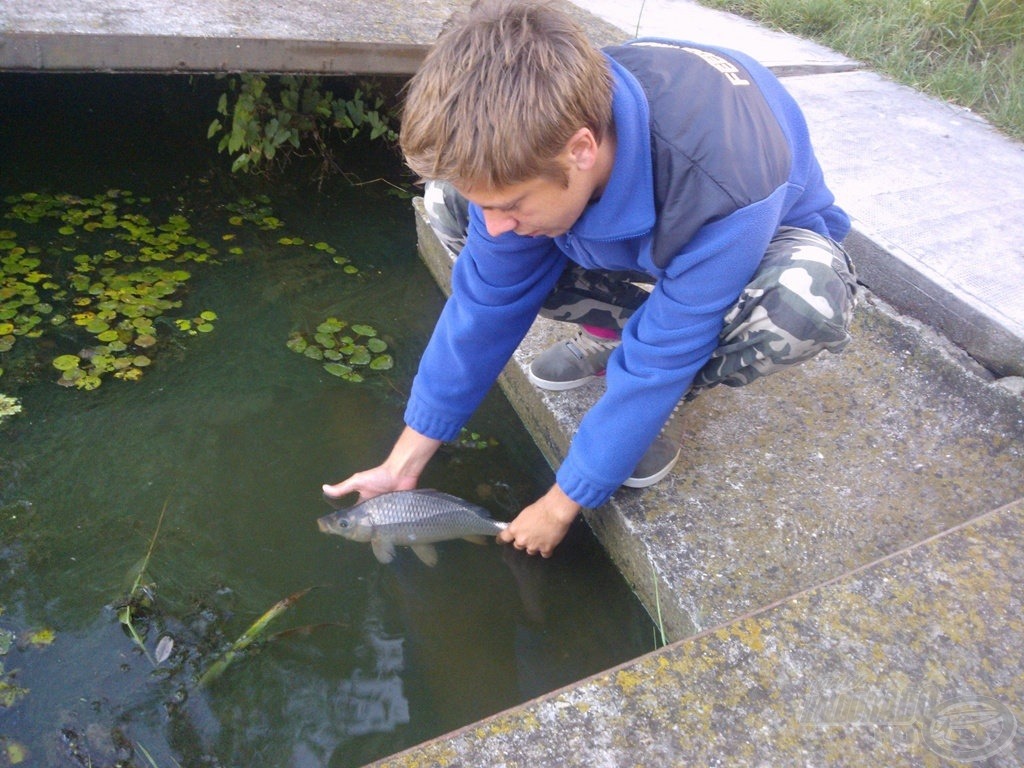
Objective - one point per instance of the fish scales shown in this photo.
(430, 516)
(416, 519)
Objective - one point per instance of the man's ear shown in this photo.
(581, 149)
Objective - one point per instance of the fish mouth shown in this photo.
(323, 524)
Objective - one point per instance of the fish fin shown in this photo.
(426, 552)
(384, 551)
(478, 538)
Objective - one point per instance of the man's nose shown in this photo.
(498, 223)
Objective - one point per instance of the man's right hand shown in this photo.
(370, 483)
(399, 472)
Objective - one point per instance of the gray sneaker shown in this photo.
(655, 464)
(570, 364)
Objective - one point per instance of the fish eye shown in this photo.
(343, 523)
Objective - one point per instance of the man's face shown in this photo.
(542, 206)
(534, 208)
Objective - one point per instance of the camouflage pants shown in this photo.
(799, 302)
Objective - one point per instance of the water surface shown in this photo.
(228, 436)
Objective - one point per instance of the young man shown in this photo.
(683, 165)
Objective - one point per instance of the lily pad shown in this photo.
(337, 369)
(382, 363)
(330, 325)
(10, 693)
(297, 344)
(325, 340)
(360, 356)
(15, 752)
(40, 638)
(88, 382)
(66, 362)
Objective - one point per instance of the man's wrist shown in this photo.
(411, 453)
(561, 506)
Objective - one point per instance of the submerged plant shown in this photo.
(247, 638)
(349, 351)
(140, 595)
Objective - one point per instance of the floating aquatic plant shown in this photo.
(101, 279)
(104, 278)
(9, 406)
(349, 351)
(10, 692)
(474, 440)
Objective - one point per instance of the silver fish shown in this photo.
(415, 519)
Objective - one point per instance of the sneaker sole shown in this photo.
(559, 386)
(645, 482)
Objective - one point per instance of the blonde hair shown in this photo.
(501, 93)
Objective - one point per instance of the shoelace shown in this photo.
(591, 344)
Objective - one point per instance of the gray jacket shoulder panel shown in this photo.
(716, 145)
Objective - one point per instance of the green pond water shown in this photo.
(224, 442)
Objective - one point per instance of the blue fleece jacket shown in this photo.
(712, 157)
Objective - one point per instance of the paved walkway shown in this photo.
(836, 557)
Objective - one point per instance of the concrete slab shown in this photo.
(936, 196)
(913, 660)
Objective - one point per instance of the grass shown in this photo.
(967, 52)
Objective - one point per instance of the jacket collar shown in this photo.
(626, 208)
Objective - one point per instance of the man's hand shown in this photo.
(399, 472)
(541, 526)
(370, 483)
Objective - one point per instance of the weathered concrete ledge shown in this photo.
(912, 660)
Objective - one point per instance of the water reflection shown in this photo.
(376, 702)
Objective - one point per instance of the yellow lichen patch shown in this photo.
(747, 631)
(629, 679)
(506, 726)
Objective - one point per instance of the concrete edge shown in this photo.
(899, 279)
(40, 52)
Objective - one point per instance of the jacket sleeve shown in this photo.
(665, 344)
(498, 286)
